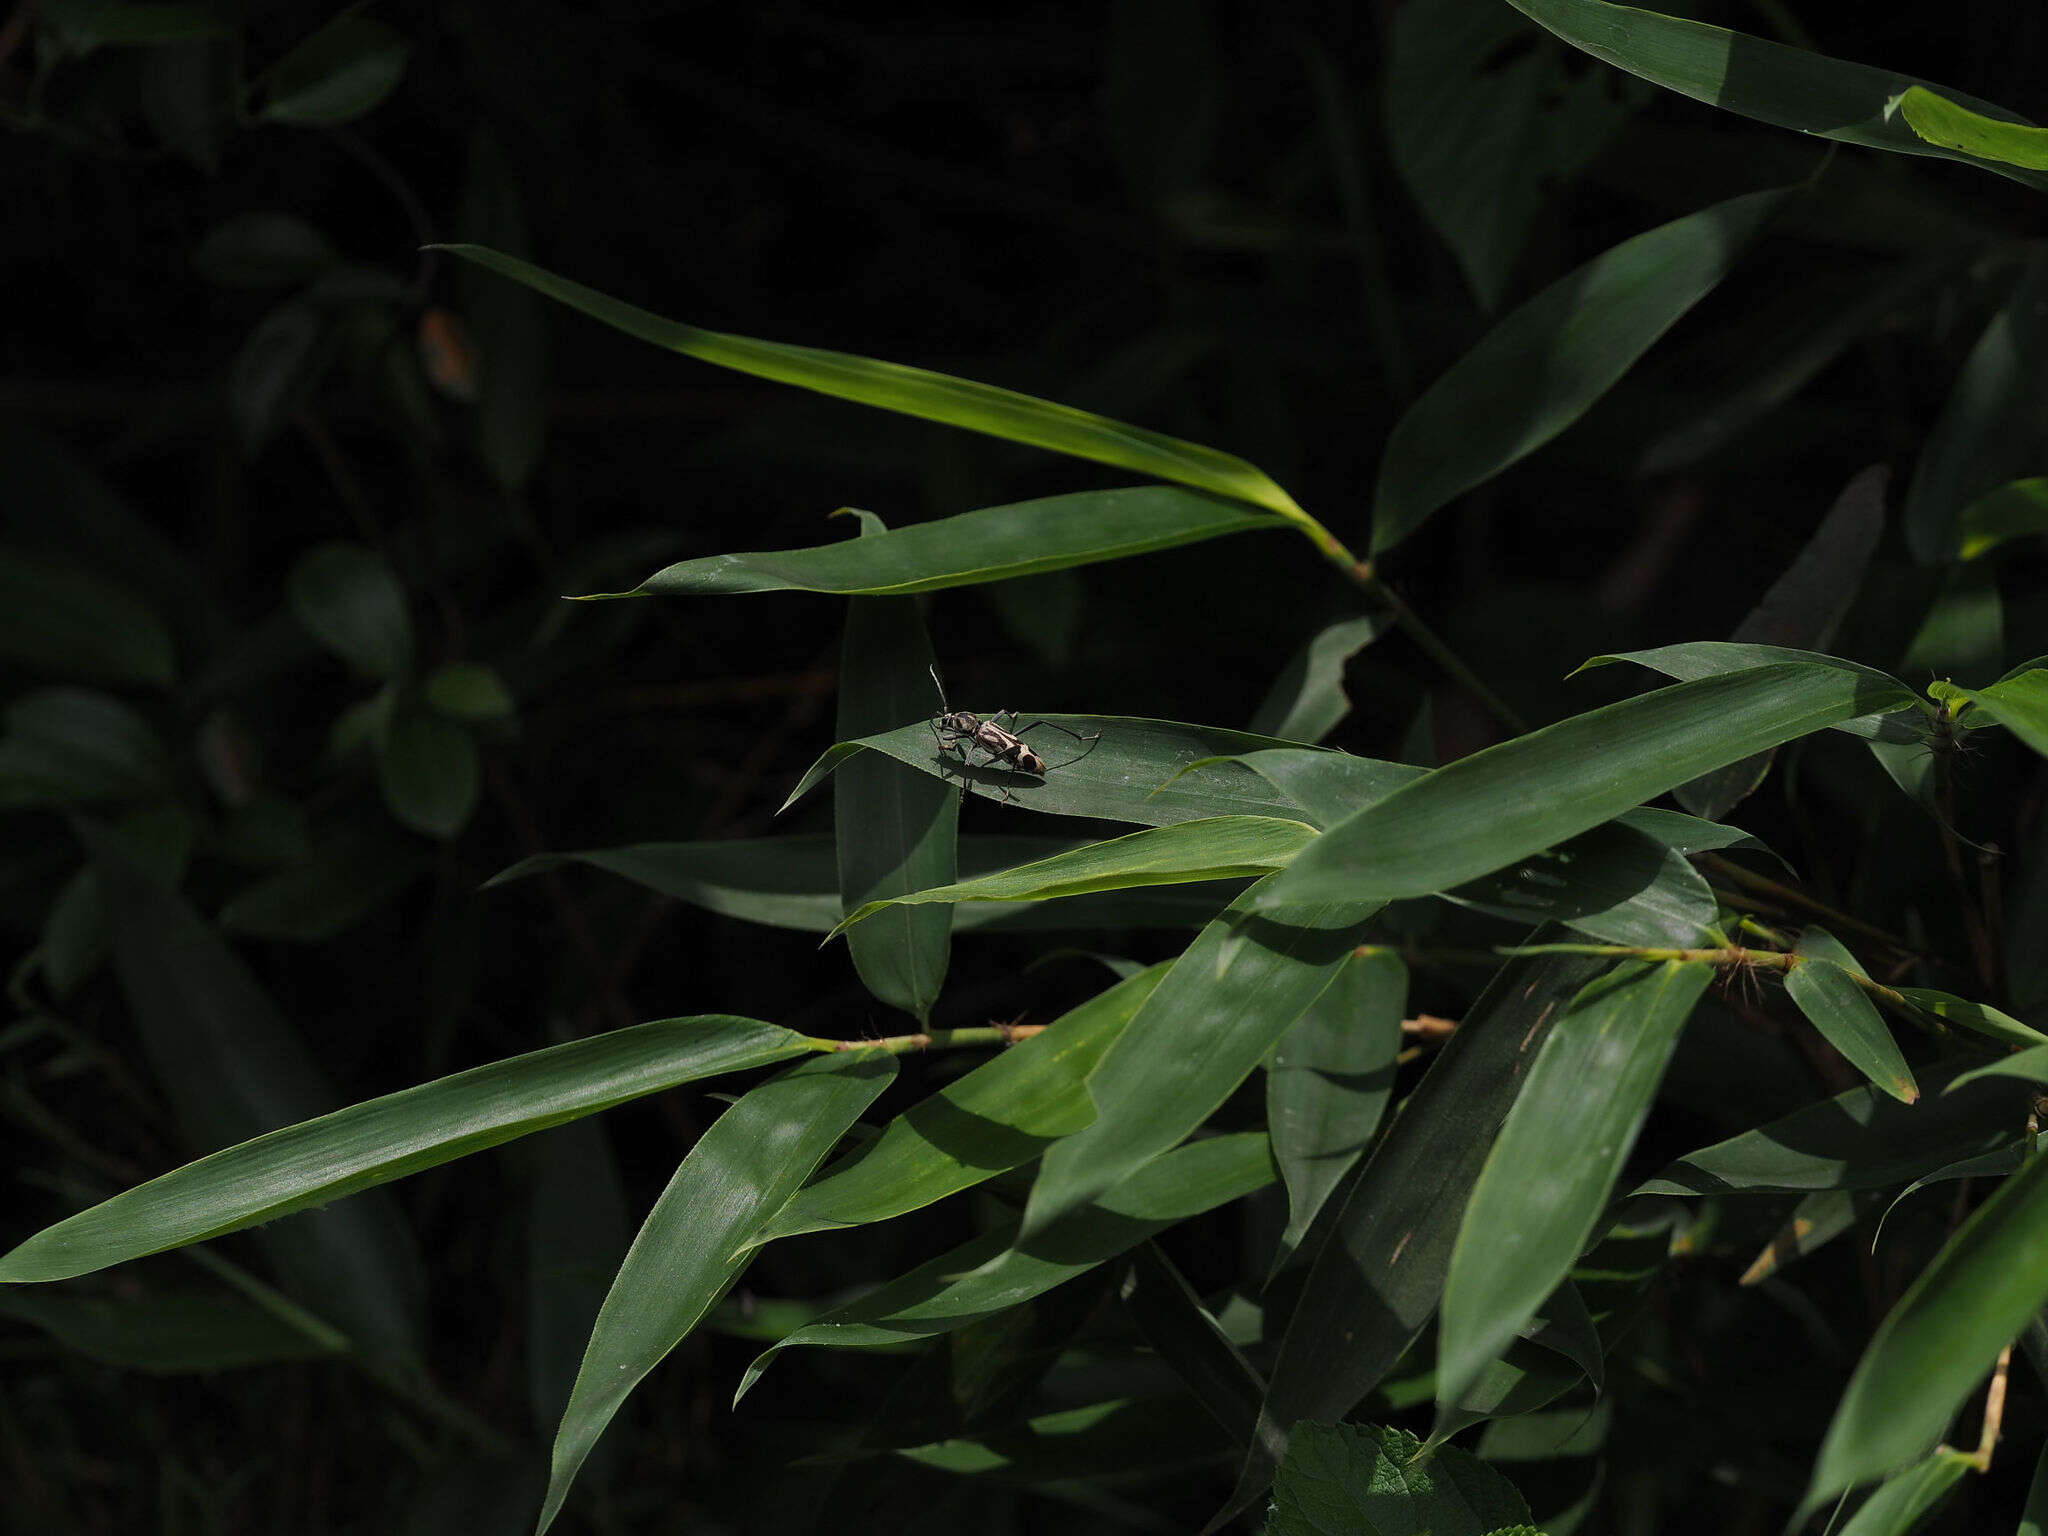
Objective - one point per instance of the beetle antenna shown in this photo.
(944, 707)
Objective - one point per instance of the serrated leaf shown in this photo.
(998, 1116)
(1329, 1081)
(750, 1160)
(919, 392)
(1211, 848)
(1552, 1169)
(1820, 985)
(1537, 371)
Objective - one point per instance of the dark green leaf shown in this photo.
(79, 25)
(1213, 848)
(741, 1170)
(61, 620)
(2029, 1065)
(992, 1273)
(1862, 1139)
(1937, 1344)
(1964, 631)
(1163, 96)
(1308, 700)
(1788, 87)
(994, 544)
(401, 1133)
(1362, 1480)
(190, 97)
(340, 884)
(1898, 1507)
(1698, 659)
(1000, 1115)
(1221, 1008)
(1537, 371)
(277, 369)
(508, 325)
(1988, 432)
(918, 392)
(1138, 770)
(69, 746)
(895, 828)
(1329, 1083)
(1553, 1168)
(348, 600)
(164, 1333)
(468, 690)
(2019, 703)
(2016, 510)
(1820, 984)
(1183, 1334)
(427, 768)
(1973, 135)
(263, 249)
(1818, 1219)
(337, 74)
(1377, 1281)
(577, 1231)
(1524, 795)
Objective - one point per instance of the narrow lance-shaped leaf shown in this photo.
(1950, 125)
(387, 1138)
(1820, 983)
(1329, 1082)
(1773, 83)
(1002, 1114)
(1898, 1507)
(750, 1160)
(1214, 848)
(1214, 1017)
(2016, 510)
(2018, 702)
(993, 544)
(1533, 792)
(1376, 1282)
(1307, 700)
(895, 829)
(918, 392)
(1537, 371)
(1553, 1168)
(1183, 1334)
(992, 1273)
(1938, 1343)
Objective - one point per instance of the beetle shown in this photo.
(956, 730)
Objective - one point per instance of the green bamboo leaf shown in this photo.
(1220, 1009)
(1138, 770)
(1213, 848)
(1861, 1139)
(233, 1068)
(1376, 1283)
(994, 544)
(895, 829)
(1803, 608)
(1329, 1083)
(577, 1232)
(2019, 703)
(1117, 1439)
(1820, 985)
(1183, 1334)
(1563, 1145)
(1938, 1343)
(166, 1333)
(1951, 125)
(1362, 1480)
(1988, 431)
(387, 1138)
(918, 392)
(1538, 370)
(2029, 1065)
(1001, 1115)
(2034, 1519)
(1818, 1219)
(1773, 83)
(1698, 659)
(1898, 1507)
(1614, 883)
(750, 1160)
(792, 882)
(1307, 700)
(1533, 792)
(1964, 630)
(2016, 510)
(991, 1273)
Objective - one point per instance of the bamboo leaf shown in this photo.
(1773, 83)
(918, 392)
(895, 829)
(1183, 1334)
(1717, 658)
(750, 1160)
(1898, 1507)
(1537, 371)
(1362, 1480)
(387, 1138)
(1329, 1083)
(1820, 985)
(1377, 1280)
(1137, 771)
(993, 544)
(2016, 510)
(1988, 430)
(1213, 848)
(1001, 1115)
(2029, 1065)
(1213, 1018)
(1308, 700)
(992, 1273)
(1937, 1344)
(1533, 792)
(2019, 703)
(1562, 1146)
(1950, 125)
